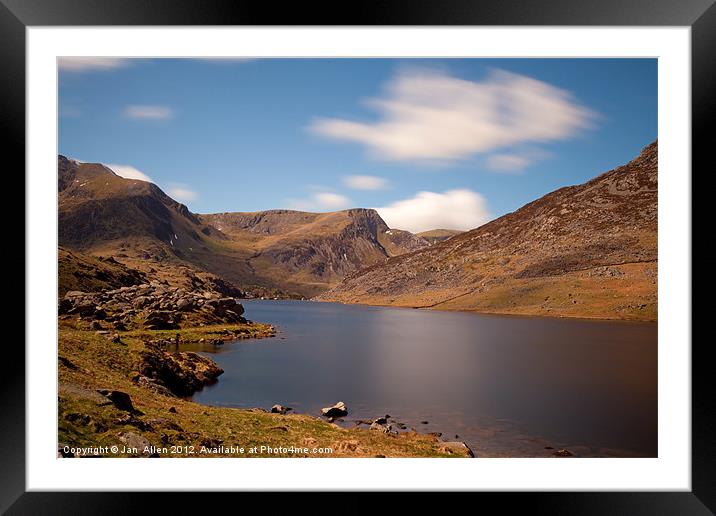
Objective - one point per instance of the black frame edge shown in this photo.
(364, 12)
(12, 127)
(15, 15)
(703, 99)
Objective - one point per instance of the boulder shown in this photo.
(133, 440)
(165, 423)
(185, 304)
(119, 399)
(337, 410)
(381, 427)
(280, 409)
(456, 448)
(162, 320)
(142, 301)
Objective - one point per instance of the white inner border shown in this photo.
(672, 470)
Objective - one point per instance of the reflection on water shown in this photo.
(513, 386)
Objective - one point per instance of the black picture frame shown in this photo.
(17, 15)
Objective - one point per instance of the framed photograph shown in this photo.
(419, 250)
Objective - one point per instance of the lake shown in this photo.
(506, 385)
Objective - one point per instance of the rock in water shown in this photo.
(337, 410)
(280, 409)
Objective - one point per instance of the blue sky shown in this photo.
(429, 142)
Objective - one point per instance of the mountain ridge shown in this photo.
(274, 252)
(586, 250)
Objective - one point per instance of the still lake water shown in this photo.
(508, 386)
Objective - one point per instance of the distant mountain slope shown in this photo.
(98, 207)
(309, 252)
(584, 251)
(438, 235)
(285, 251)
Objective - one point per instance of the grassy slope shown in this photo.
(576, 294)
(97, 363)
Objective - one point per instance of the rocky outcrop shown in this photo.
(181, 373)
(153, 306)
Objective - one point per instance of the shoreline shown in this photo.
(103, 401)
(470, 312)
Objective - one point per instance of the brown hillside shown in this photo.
(78, 271)
(277, 251)
(584, 251)
(435, 236)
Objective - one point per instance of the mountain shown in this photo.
(583, 251)
(434, 236)
(276, 252)
(307, 252)
(99, 209)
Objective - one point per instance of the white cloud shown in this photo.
(84, 64)
(320, 201)
(128, 172)
(181, 192)
(331, 200)
(429, 116)
(507, 162)
(148, 112)
(514, 162)
(365, 182)
(455, 209)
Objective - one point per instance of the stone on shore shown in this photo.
(381, 427)
(457, 448)
(337, 410)
(279, 409)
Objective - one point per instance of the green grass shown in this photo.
(95, 362)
